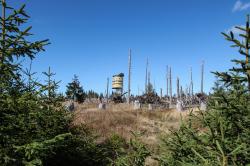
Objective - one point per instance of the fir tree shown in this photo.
(219, 136)
(23, 119)
(92, 94)
(34, 127)
(75, 91)
(150, 88)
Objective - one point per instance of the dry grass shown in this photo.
(105, 123)
(85, 106)
(121, 119)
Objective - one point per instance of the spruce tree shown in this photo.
(51, 97)
(92, 94)
(75, 91)
(219, 136)
(35, 129)
(27, 128)
(150, 88)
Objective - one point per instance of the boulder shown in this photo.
(102, 106)
(70, 106)
(203, 106)
(137, 105)
(150, 107)
(179, 106)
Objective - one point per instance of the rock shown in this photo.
(203, 106)
(102, 106)
(150, 107)
(70, 106)
(137, 105)
(179, 106)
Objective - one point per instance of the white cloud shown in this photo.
(240, 6)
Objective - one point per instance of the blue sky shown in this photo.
(91, 38)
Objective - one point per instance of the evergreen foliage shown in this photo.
(27, 125)
(35, 129)
(150, 88)
(132, 153)
(75, 91)
(219, 136)
(91, 94)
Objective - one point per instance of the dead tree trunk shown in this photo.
(146, 79)
(178, 88)
(170, 84)
(107, 90)
(191, 83)
(129, 75)
(167, 80)
(202, 76)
